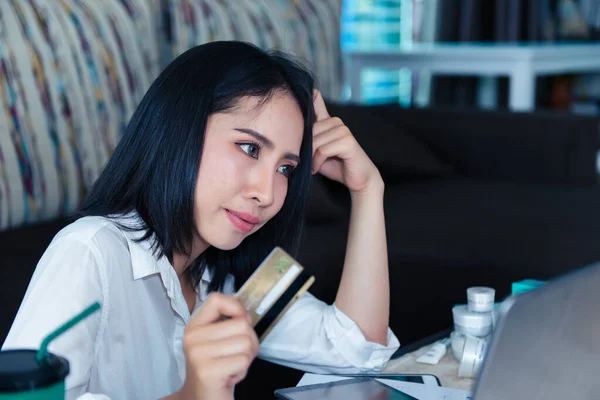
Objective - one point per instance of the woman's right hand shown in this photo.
(218, 352)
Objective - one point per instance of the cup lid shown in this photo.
(20, 371)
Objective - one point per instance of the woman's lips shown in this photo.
(242, 221)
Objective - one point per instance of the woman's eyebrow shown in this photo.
(267, 143)
(292, 157)
(264, 140)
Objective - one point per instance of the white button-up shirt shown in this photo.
(132, 348)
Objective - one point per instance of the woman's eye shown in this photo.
(286, 170)
(252, 149)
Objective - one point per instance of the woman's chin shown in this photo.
(227, 244)
(228, 239)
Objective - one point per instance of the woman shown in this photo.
(212, 173)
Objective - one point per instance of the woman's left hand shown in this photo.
(338, 156)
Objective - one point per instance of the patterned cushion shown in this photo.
(309, 29)
(73, 71)
(72, 74)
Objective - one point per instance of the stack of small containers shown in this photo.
(473, 326)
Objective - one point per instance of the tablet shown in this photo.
(350, 389)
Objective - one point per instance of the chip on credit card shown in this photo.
(275, 285)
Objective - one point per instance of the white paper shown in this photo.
(418, 390)
(315, 379)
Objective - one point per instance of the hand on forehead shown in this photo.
(321, 112)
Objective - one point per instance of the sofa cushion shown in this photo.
(512, 228)
(541, 147)
(397, 154)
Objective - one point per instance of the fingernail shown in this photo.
(249, 318)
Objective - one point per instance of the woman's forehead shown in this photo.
(276, 102)
(277, 117)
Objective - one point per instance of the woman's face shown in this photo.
(248, 155)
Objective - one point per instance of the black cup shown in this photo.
(23, 378)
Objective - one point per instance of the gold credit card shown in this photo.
(272, 289)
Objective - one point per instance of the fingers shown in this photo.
(218, 352)
(241, 344)
(326, 124)
(326, 129)
(334, 139)
(218, 305)
(336, 148)
(336, 133)
(218, 331)
(319, 104)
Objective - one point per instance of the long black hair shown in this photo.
(154, 168)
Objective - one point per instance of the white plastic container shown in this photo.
(435, 353)
(472, 323)
(480, 299)
(457, 341)
(472, 357)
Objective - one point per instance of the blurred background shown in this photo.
(399, 23)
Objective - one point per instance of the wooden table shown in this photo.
(446, 370)
(404, 361)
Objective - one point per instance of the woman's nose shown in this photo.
(261, 186)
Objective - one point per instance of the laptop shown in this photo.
(547, 344)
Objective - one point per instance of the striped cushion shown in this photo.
(310, 29)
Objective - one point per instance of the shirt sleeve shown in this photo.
(66, 281)
(319, 338)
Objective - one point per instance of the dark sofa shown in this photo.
(472, 198)
(494, 197)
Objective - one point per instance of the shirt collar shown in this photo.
(143, 260)
(207, 276)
